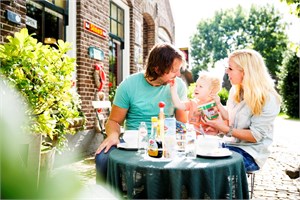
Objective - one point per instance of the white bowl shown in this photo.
(131, 137)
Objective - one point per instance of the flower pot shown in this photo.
(46, 163)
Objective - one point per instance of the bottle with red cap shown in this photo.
(161, 118)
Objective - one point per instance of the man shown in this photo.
(137, 99)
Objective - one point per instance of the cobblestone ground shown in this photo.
(271, 182)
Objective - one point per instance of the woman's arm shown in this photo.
(222, 126)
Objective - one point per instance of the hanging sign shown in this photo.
(95, 29)
(96, 53)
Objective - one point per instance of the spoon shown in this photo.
(201, 131)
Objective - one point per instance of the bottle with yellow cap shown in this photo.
(154, 145)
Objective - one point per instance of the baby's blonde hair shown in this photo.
(215, 83)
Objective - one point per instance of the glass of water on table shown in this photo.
(143, 138)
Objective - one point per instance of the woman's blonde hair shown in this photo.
(257, 82)
(214, 81)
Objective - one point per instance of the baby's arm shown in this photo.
(175, 98)
(222, 110)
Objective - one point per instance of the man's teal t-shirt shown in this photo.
(141, 99)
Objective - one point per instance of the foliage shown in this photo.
(294, 6)
(43, 75)
(288, 84)
(191, 89)
(112, 86)
(261, 29)
(223, 95)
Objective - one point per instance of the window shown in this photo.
(116, 46)
(116, 20)
(46, 19)
(163, 35)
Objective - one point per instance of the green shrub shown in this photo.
(288, 84)
(191, 89)
(43, 75)
(223, 95)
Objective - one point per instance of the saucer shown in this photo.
(219, 153)
(126, 147)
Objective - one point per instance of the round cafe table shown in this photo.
(181, 178)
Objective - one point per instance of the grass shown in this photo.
(285, 116)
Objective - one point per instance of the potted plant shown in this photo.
(44, 76)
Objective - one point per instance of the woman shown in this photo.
(252, 107)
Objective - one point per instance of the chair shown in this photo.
(99, 105)
(251, 175)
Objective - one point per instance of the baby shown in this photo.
(206, 90)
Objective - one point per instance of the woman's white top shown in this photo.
(261, 126)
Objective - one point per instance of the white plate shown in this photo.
(126, 146)
(222, 152)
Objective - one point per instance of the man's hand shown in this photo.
(111, 140)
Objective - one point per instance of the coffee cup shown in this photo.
(131, 138)
(207, 144)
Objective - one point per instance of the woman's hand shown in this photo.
(215, 125)
(216, 98)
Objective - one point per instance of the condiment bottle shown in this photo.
(161, 118)
(154, 145)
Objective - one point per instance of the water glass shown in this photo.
(142, 138)
(190, 144)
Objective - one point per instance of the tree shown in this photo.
(294, 6)
(289, 84)
(260, 29)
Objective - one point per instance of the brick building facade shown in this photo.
(121, 33)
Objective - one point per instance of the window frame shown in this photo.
(51, 7)
(122, 23)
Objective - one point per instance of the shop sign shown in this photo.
(31, 22)
(95, 29)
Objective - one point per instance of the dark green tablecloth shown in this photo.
(200, 178)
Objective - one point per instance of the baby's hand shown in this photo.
(171, 82)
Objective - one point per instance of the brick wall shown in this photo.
(152, 14)
(96, 12)
(9, 28)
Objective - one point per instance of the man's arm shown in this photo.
(112, 128)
